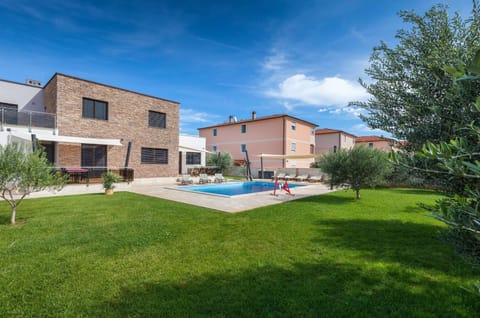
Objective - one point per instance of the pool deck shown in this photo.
(167, 189)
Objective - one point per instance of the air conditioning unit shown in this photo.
(33, 83)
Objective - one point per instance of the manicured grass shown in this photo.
(329, 256)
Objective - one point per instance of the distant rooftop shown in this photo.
(373, 139)
(324, 131)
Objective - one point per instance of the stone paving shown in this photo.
(167, 188)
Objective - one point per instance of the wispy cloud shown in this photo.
(362, 129)
(328, 91)
(348, 112)
(188, 115)
(275, 62)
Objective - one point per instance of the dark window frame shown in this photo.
(243, 129)
(95, 102)
(214, 132)
(157, 155)
(152, 121)
(193, 158)
(243, 148)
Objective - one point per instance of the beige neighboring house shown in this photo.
(282, 135)
(88, 125)
(330, 140)
(377, 142)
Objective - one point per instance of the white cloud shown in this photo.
(329, 91)
(188, 115)
(349, 111)
(361, 129)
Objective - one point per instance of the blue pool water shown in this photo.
(235, 188)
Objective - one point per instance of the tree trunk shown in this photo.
(14, 212)
(358, 193)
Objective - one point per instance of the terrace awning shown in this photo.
(192, 149)
(67, 139)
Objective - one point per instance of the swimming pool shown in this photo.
(235, 188)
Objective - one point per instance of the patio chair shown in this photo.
(219, 178)
(204, 178)
(186, 179)
(302, 177)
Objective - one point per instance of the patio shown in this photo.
(166, 188)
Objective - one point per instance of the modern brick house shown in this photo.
(98, 126)
(330, 140)
(281, 135)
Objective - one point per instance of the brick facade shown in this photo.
(127, 121)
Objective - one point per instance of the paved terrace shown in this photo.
(166, 188)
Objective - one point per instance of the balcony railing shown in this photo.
(29, 119)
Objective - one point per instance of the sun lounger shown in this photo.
(315, 179)
(302, 177)
(204, 178)
(219, 178)
(280, 176)
(186, 179)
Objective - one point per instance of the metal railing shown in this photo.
(89, 175)
(29, 119)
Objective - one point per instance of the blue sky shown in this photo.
(217, 58)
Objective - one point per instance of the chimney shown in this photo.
(32, 82)
(254, 115)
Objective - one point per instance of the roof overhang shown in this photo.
(185, 148)
(69, 139)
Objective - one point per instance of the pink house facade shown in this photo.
(275, 134)
(376, 142)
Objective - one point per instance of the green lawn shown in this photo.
(130, 255)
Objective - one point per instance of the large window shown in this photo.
(214, 148)
(157, 119)
(243, 129)
(193, 158)
(95, 109)
(293, 146)
(243, 148)
(94, 155)
(214, 132)
(154, 155)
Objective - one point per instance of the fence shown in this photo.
(89, 175)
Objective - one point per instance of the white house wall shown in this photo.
(192, 142)
(28, 98)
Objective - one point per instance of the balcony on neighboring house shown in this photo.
(30, 119)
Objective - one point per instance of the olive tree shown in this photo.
(356, 168)
(222, 160)
(412, 96)
(22, 173)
